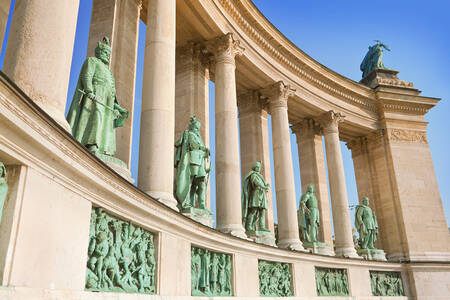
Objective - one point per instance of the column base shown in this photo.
(347, 252)
(57, 116)
(291, 244)
(236, 230)
(165, 198)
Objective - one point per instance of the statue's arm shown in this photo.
(87, 73)
(257, 181)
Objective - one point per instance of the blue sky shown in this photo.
(337, 34)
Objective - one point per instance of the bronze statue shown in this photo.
(192, 174)
(366, 224)
(308, 215)
(373, 59)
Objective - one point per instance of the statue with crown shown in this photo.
(192, 174)
(95, 112)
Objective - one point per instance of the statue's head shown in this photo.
(365, 201)
(311, 188)
(103, 50)
(256, 166)
(194, 124)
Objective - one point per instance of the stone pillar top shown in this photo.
(306, 127)
(224, 48)
(250, 102)
(277, 94)
(330, 120)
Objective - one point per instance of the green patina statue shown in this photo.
(254, 200)
(386, 283)
(210, 273)
(192, 174)
(331, 282)
(3, 188)
(373, 59)
(121, 256)
(308, 216)
(95, 112)
(366, 224)
(275, 279)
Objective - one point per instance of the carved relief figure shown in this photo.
(308, 216)
(254, 200)
(191, 172)
(210, 273)
(95, 111)
(386, 283)
(121, 256)
(331, 282)
(274, 279)
(3, 188)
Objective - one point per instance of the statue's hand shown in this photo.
(116, 113)
(208, 170)
(91, 96)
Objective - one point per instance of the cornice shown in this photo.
(296, 61)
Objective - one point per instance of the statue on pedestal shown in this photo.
(373, 59)
(192, 175)
(308, 216)
(367, 226)
(95, 113)
(254, 206)
(3, 188)
(309, 221)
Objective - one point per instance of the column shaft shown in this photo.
(228, 185)
(288, 236)
(156, 149)
(39, 52)
(254, 137)
(339, 202)
(312, 171)
(119, 20)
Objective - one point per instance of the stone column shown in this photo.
(4, 13)
(288, 236)
(119, 20)
(312, 171)
(156, 148)
(228, 179)
(192, 93)
(39, 52)
(339, 202)
(254, 137)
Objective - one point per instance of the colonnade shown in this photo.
(38, 60)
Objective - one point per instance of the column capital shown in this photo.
(357, 145)
(306, 128)
(139, 4)
(330, 120)
(224, 48)
(250, 102)
(277, 94)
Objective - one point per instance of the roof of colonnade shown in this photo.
(270, 57)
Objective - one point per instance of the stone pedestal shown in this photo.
(202, 216)
(319, 248)
(117, 165)
(372, 254)
(385, 77)
(262, 237)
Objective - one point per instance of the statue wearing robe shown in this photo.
(254, 200)
(366, 224)
(95, 112)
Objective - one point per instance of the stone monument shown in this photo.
(309, 222)
(254, 206)
(367, 226)
(95, 112)
(192, 175)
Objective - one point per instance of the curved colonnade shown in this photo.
(55, 181)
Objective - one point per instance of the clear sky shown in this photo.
(337, 34)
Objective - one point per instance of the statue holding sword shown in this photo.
(95, 113)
